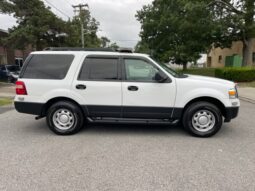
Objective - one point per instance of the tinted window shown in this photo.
(139, 70)
(99, 69)
(47, 66)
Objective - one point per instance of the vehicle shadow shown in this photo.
(134, 129)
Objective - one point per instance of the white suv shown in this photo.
(73, 87)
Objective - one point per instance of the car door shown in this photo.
(99, 85)
(143, 96)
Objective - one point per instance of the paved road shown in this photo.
(126, 157)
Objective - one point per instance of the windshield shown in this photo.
(168, 69)
(13, 68)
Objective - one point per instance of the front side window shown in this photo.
(47, 66)
(139, 70)
(99, 69)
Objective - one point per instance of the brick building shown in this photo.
(217, 56)
(9, 55)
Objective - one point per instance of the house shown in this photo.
(219, 57)
(10, 55)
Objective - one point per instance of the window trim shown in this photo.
(101, 57)
(123, 71)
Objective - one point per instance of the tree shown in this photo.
(142, 47)
(176, 30)
(113, 46)
(37, 25)
(237, 20)
(104, 42)
(180, 30)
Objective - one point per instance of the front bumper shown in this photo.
(231, 113)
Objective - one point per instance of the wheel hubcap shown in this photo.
(203, 120)
(63, 119)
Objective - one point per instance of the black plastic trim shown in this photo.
(177, 113)
(29, 107)
(109, 111)
(147, 112)
(231, 113)
(103, 111)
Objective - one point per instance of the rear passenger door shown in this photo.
(99, 85)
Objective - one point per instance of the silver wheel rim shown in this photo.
(203, 120)
(63, 119)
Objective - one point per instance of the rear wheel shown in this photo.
(202, 119)
(65, 118)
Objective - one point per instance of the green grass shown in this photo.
(247, 84)
(5, 101)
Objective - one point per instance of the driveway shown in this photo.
(126, 157)
(7, 90)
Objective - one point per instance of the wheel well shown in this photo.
(214, 101)
(57, 99)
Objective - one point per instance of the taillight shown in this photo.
(21, 88)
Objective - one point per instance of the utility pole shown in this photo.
(78, 9)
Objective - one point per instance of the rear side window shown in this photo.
(47, 66)
(99, 69)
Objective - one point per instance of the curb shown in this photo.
(6, 95)
(247, 99)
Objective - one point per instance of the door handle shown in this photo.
(80, 87)
(132, 88)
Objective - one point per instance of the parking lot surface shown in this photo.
(117, 157)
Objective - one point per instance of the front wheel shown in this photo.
(202, 119)
(65, 118)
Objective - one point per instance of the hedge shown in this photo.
(236, 74)
(201, 71)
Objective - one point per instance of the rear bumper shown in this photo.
(231, 113)
(29, 107)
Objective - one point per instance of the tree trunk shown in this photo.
(184, 66)
(247, 52)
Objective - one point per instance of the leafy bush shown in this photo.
(236, 74)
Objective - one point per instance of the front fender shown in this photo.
(183, 99)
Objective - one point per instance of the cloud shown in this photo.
(116, 17)
(6, 21)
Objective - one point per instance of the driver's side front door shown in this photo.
(143, 97)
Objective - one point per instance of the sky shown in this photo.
(116, 17)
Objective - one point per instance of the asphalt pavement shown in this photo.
(115, 157)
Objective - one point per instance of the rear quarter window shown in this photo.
(47, 66)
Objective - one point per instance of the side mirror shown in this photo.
(159, 78)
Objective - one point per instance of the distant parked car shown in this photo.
(9, 73)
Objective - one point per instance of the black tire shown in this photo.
(192, 125)
(76, 118)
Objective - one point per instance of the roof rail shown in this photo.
(78, 49)
(123, 50)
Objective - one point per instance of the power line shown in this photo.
(125, 40)
(57, 9)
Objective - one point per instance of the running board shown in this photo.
(132, 121)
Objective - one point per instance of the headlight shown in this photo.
(233, 93)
